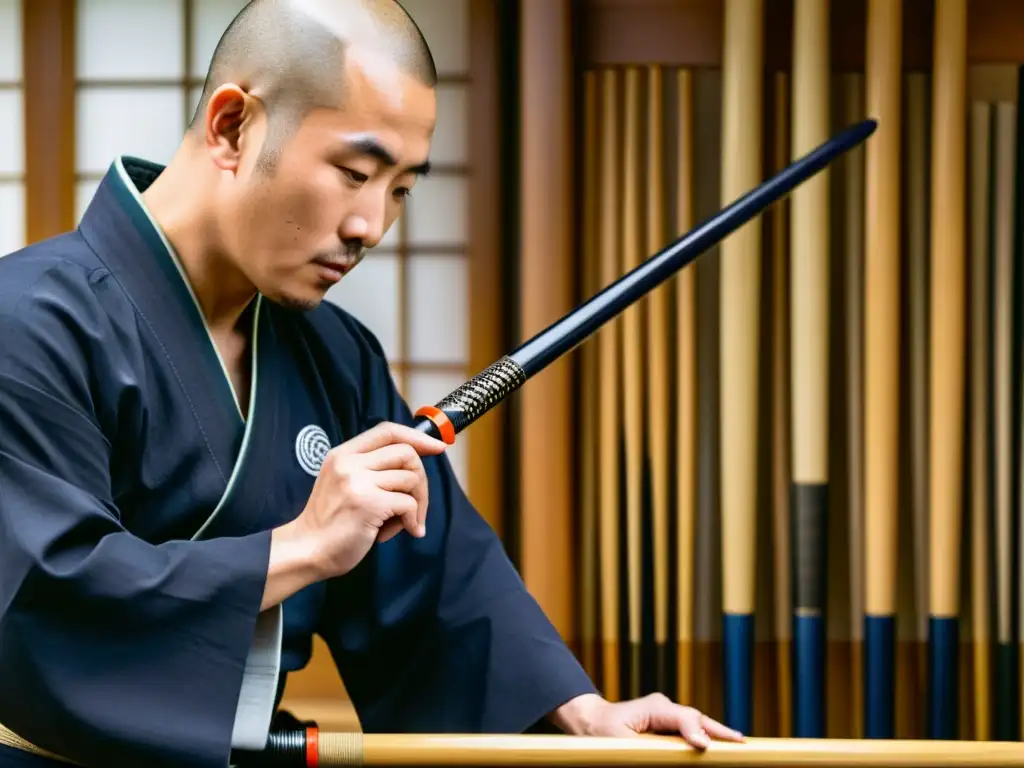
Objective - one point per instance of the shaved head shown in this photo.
(291, 55)
(313, 128)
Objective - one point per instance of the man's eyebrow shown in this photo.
(367, 145)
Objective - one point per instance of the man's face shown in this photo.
(336, 185)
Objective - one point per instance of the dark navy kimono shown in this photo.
(136, 506)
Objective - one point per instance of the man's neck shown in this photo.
(221, 289)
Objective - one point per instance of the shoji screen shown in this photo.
(131, 85)
(12, 142)
(137, 90)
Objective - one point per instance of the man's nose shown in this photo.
(367, 229)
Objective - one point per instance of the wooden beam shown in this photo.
(689, 33)
(486, 459)
(546, 444)
(48, 51)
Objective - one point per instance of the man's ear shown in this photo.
(227, 112)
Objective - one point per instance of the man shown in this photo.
(174, 522)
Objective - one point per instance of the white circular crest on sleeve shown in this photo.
(311, 447)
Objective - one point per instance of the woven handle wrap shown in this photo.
(481, 393)
(341, 749)
(9, 738)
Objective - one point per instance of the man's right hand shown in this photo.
(369, 488)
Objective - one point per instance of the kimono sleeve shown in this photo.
(455, 642)
(113, 651)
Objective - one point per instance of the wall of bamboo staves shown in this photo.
(797, 465)
(801, 457)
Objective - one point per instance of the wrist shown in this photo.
(578, 715)
(294, 563)
(306, 547)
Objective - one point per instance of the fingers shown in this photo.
(395, 456)
(421, 494)
(405, 508)
(399, 480)
(688, 723)
(697, 728)
(719, 731)
(403, 457)
(413, 483)
(388, 433)
(390, 529)
(395, 468)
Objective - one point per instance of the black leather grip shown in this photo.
(482, 392)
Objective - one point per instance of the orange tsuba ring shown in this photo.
(312, 747)
(440, 419)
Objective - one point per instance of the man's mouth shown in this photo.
(332, 270)
(336, 266)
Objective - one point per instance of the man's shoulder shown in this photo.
(59, 272)
(54, 301)
(336, 323)
(348, 355)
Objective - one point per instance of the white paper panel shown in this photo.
(194, 95)
(209, 21)
(445, 25)
(370, 293)
(426, 388)
(84, 191)
(130, 40)
(396, 377)
(145, 122)
(10, 40)
(392, 237)
(12, 132)
(438, 318)
(12, 216)
(450, 143)
(437, 212)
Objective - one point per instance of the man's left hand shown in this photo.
(591, 715)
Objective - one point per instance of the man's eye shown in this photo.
(402, 192)
(355, 176)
